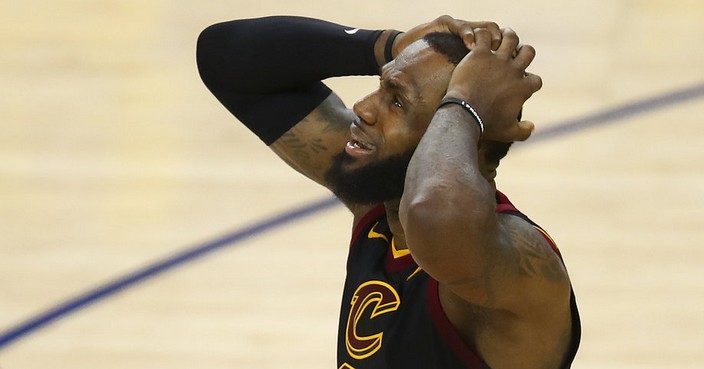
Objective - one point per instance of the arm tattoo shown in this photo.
(303, 147)
(319, 126)
(533, 256)
(310, 145)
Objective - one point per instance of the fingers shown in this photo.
(491, 27)
(514, 54)
(466, 30)
(534, 82)
(523, 130)
(525, 55)
(495, 31)
(467, 35)
(522, 56)
(482, 40)
(509, 43)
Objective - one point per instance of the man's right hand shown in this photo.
(445, 23)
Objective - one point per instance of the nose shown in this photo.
(366, 108)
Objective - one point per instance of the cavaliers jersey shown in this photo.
(391, 315)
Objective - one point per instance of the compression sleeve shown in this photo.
(268, 71)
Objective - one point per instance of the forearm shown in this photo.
(268, 70)
(447, 198)
(280, 53)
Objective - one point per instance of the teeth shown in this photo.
(357, 144)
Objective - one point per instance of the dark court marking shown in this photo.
(618, 113)
(161, 266)
(72, 305)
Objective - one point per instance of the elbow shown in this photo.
(446, 233)
(218, 55)
(206, 51)
(425, 220)
(425, 224)
(419, 212)
(439, 207)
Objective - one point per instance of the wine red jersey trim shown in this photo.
(448, 331)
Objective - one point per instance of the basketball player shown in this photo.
(443, 271)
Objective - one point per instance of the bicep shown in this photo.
(310, 145)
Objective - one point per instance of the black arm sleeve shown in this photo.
(268, 71)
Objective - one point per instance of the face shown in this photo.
(390, 123)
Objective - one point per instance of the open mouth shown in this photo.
(357, 148)
(359, 143)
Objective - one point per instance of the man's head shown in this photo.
(392, 120)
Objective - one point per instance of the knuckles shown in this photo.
(444, 19)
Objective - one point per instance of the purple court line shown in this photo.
(74, 304)
(620, 112)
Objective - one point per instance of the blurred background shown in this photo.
(114, 156)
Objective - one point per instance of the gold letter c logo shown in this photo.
(382, 299)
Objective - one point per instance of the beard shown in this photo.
(371, 184)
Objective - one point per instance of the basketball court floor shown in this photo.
(141, 226)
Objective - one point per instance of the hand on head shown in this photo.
(492, 77)
(496, 84)
(447, 24)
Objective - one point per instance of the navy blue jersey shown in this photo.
(391, 315)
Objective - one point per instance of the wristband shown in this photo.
(389, 45)
(467, 107)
